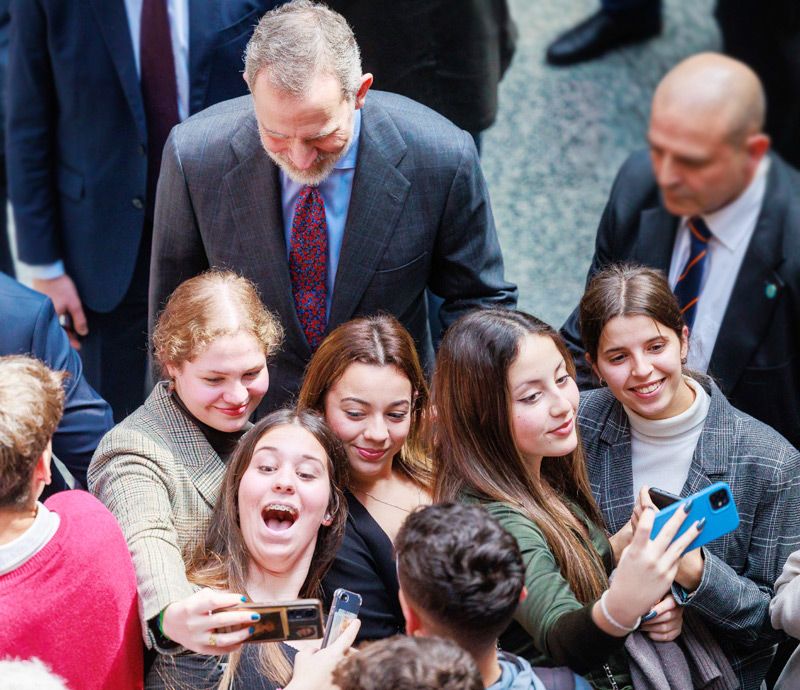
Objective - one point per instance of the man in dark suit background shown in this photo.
(336, 202)
(6, 260)
(709, 166)
(94, 87)
(30, 327)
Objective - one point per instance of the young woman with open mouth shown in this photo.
(274, 531)
(658, 425)
(159, 470)
(506, 437)
(366, 379)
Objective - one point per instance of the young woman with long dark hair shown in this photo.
(506, 437)
(274, 531)
(657, 424)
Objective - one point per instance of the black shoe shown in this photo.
(600, 33)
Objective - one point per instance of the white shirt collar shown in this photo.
(31, 541)
(725, 223)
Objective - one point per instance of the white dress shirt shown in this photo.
(731, 228)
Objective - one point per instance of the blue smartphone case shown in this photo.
(714, 503)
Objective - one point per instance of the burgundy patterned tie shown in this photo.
(159, 88)
(308, 263)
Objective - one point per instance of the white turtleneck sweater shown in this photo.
(662, 449)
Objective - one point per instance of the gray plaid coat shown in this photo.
(159, 476)
(763, 471)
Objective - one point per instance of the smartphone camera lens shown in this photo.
(301, 614)
(345, 597)
(719, 499)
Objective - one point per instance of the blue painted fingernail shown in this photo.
(244, 598)
(251, 630)
(650, 616)
(701, 524)
(687, 506)
(255, 616)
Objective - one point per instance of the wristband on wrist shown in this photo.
(612, 620)
(160, 623)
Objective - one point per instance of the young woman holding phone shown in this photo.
(506, 437)
(274, 531)
(656, 424)
(160, 469)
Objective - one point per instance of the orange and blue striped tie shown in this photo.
(687, 288)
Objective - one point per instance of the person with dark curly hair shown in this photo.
(461, 577)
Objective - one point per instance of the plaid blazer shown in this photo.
(159, 476)
(763, 471)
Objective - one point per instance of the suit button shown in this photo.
(137, 203)
(142, 150)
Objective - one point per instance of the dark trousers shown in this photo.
(765, 34)
(114, 353)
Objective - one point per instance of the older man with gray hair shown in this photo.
(336, 201)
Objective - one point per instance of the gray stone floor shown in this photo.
(562, 134)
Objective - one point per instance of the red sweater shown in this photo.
(73, 605)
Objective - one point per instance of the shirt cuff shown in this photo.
(45, 271)
(683, 597)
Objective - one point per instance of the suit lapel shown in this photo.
(254, 197)
(204, 18)
(710, 459)
(616, 489)
(112, 21)
(204, 467)
(379, 192)
(656, 238)
(749, 303)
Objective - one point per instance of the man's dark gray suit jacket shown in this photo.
(419, 216)
(756, 358)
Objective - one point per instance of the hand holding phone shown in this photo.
(300, 619)
(713, 507)
(344, 610)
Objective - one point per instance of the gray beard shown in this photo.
(322, 168)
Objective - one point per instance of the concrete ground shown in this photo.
(562, 134)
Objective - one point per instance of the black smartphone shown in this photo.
(344, 610)
(300, 619)
(662, 498)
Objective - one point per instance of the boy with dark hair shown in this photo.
(461, 577)
(408, 663)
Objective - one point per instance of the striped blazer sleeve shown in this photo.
(132, 475)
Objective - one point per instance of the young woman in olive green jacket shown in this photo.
(505, 401)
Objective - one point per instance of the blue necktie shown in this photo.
(687, 289)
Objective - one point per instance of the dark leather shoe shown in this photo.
(600, 33)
